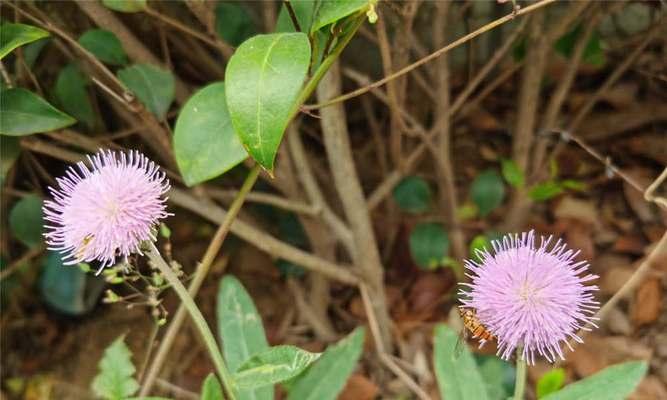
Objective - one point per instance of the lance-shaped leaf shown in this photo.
(23, 113)
(334, 10)
(612, 383)
(264, 78)
(15, 35)
(272, 366)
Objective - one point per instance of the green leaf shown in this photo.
(264, 78)
(67, 288)
(23, 113)
(15, 35)
(458, 378)
(241, 331)
(303, 9)
(593, 52)
(413, 195)
(211, 389)
(545, 191)
(612, 383)
(550, 382)
(26, 220)
(154, 86)
(429, 245)
(72, 95)
(327, 377)
(127, 6)
(10, 149)
(573, 185)
(332, 11)
(233, 23)
(114, 380)
(32, 51)
(275, 365)
(487, 191)
(498, 376)
(205, 143)
(104, 45)
(479, 242)
(512, 173)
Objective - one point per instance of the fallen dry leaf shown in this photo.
(582, 210)
(650, 388)
(598, 352)
(359, 387)
(647, 303)
(614, 270)
(618, 322)
(631, 244)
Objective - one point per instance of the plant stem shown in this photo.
(197, 318)
(198, 279)
(520, 383)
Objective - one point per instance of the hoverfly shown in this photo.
(471, 323)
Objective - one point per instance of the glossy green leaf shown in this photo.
(10, 149)
(26, 221)
(127, 6)
(72, 95)
(512, 173)
(67, 288)
(487, 191)
(104, 45)
(15, 35)
(241, 331)
(479, 243)
(458, 378)
(205, 143)
(275, 365)
(498, 376)
(153, 86)
(264, 78)
(545, 191)
(413, 195)
(612, 383)
(429, 245)
(114, 380)
(327, 377)
(211, 389)
(550, 382)
(233, 23)
(303, 9)
(32, 51)
(332, 11)
(23, 113)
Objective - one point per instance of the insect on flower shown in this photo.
(471, 325)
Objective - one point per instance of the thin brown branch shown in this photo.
(266, 198)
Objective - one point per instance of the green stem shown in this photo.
(520, 383)
(197, 318)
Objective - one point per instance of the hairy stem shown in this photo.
(521, 368)
(197, 318)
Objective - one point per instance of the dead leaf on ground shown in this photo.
(599, 352)
(582, 210)
(614, 270)
(650, 388)
(647, 303)
(359, 387)
(630, 244)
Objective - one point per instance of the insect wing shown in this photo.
(460, 343)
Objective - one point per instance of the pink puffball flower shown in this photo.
(535, 298)
(106, 210)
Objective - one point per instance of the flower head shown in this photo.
(534, 297)
(107, 210)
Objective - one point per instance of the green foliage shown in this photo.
(26, 220)
(32, 51)
(458, 378)
(211, 389)
(545, 191)
(67, 288)
(275, 365)
(593, 52)
(332, 11)
(152, 85)
(72, 95)
(413, 195)
(550, 382)
(241, 331)
(23, 113)
(15, 35)
(205, 144)
(303, 9)
(487, 191)
(498, 376)
(429, 245)
(327, 377)
(612, 383)
(114, 380)
(233, 23)
(104, 45)
(264, 78)
(479, 242)
(512, 173)
(127, 6)
(10, 149)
